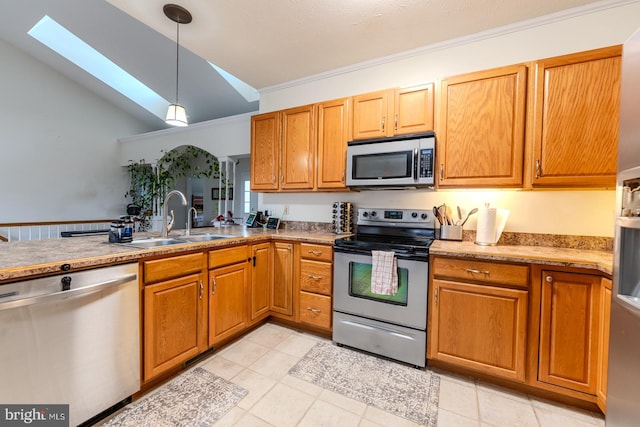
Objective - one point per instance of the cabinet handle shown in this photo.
(201, 290)
(383, 119)
(473, 271)
(435, 296)
(215, 285)
(549, 279)
(317, 253)
(314, 310)
(537, 168)
(441, 171)
(311, 276)
(254, 260)
(343, 175)
(282, 178)
(396, 122)
(274, 179)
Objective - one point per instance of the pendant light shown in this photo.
(176, 114)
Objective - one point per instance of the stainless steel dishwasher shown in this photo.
(71, 339)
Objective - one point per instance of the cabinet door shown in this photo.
(227, 313)
(575, 120)
(413, 110)
(569, 330)
(174, 323)
(481, 122)
(282, 288)
(298, 148)
(480, 327)
(261, 276)
(370, 115)
(333, 134)
(605, 323)
(265, 151)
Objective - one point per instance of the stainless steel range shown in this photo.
(390, 321)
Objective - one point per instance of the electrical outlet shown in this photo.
(286, 210)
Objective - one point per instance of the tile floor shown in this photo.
(260, 361)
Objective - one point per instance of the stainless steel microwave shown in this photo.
(396, 162)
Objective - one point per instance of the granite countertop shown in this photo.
(20, 260)
(602, 261)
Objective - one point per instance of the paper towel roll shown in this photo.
(486, 229)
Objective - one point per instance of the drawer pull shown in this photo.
(314, 310)
(474, 271)
(318, 253)
(310, 276)
(213, 288)
(201, 290)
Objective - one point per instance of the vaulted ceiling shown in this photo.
(263, 43)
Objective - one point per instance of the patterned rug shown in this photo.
(401, 390)
(195, 398)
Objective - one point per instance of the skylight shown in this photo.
(248, 92)
(56, 37)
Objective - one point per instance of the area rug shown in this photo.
(401, 390)
(195, 398)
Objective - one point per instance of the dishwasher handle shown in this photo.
(90, 289)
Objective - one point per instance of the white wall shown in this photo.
(59, 154)
(556, 212)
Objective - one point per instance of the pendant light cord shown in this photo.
(177, 57)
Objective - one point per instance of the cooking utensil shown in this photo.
(459, 214)
(474, 210)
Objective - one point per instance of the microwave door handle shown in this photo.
(415, 164)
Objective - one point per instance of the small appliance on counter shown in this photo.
(342, 222)
(491, 222)
(121, 230)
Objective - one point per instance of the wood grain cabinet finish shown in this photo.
(569, 330)
(261, 279)
(333, 135)
(281, 300)
(575, 119)
(481, 128)
(477, 324)
(298, 153)
(393, 112)
(265, 151)
(603, 352)
(316, 285)
(174, 312)
(228, 292)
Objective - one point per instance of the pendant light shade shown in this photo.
(176, 114)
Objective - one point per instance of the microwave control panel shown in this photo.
(426, 163)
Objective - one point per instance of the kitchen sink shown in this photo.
(203, 237)
(154, 242)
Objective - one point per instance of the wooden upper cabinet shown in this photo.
(575, 119)
(298, 148)
(333, 134)
(393, 112)
(481, 128)
(265, 151)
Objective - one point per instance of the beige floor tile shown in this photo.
(451, 419)
(556, 414)
(282, 406)
(343, 402)
(230, 418)
(222, 367)
(503, 391)
(323, 414)
(244, 352)
(368, 423)
(459, 397)
(383, 418)
(274, 364)
(304, 386)
(453, 377)
(249, 420)
(269, 335)
(296, 345)
(501, 409)
(257, 385)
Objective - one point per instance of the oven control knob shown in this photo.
(373, 213)
(423, 216)
(365, 214)
(414, 214)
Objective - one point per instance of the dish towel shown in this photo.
(384, 273)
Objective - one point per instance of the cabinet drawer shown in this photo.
(315, 277)
(481, 271)
(316, 252)
(227, 256)
(315, 310)
(170, 268)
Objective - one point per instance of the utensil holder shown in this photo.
(451, 232)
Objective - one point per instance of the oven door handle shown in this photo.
(415, 164)
(372, 328)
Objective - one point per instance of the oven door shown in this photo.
(352, 291)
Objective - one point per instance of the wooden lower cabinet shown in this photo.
(569, 330)
(261, 279)
(174, 312)
(316, 282)
(281, 301)
(603, 353)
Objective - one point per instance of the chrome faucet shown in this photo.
(165, 207)
(190, 220)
